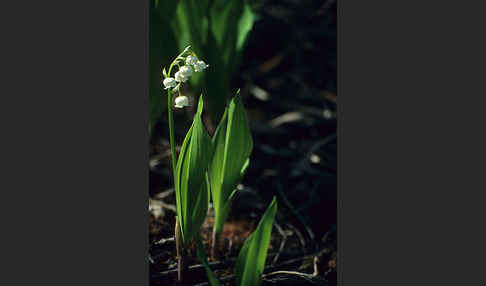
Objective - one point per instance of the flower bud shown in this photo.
(181, 101)
(191, 60)
(200, 66)
(169, 82)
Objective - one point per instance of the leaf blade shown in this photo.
(251, 259)
(232, 145)
(191, 182)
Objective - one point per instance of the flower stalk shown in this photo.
(171, 132)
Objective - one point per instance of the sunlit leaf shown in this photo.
(233, 144)
(251, 259)
(245, 24)
(191, 184)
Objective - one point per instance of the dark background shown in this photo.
(74, 143)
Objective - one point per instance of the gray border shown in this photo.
(411, 120)
(74, 144)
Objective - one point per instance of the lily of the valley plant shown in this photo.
(190, 170)
(214, 167)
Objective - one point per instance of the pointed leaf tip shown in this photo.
(200, 104)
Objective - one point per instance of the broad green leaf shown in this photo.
(191, 182)
(213, 281)
(179, 198)
(232, 145)
(216, 172)
(245, 23)
(251, 259)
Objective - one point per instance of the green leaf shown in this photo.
(232, 145)
(245, 23)
(251, 259)
(213, 281)
(230, 23)
(245, 166)
(191, 181)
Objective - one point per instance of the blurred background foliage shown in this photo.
(162, 49)
(216, 30)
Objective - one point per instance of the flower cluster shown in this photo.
(190, 65)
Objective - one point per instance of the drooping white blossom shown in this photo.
(181, 101)
(200, 66)
(191, 60)
(180, 77)
(169, 82)
(186, 70)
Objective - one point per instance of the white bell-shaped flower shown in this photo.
(200, 66)
(191, 60)
(180, 77)
(169, 82)
(181, 101)
(186, 70)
